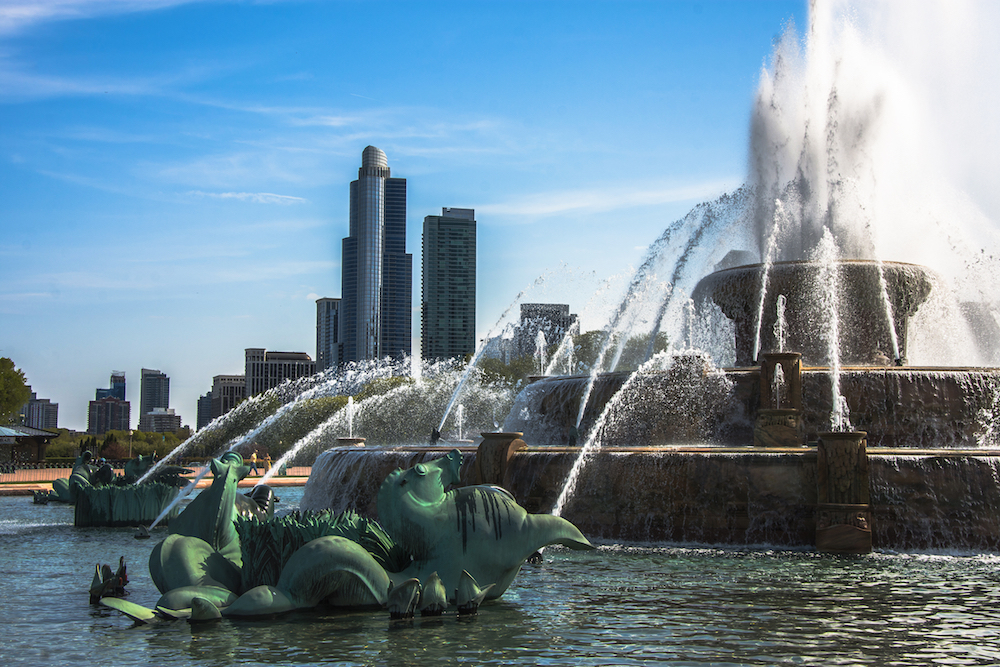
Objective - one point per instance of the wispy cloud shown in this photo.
(18, 15)
(255, 197)
(598, 200)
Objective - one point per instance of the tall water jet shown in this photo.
(350, 416)
(565, 351)
(769, 252)
(779, 322)
(828, 294)
(540, 346)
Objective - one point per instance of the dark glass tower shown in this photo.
(377, 278)
(448, 299)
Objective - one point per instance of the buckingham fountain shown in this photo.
(746, 455)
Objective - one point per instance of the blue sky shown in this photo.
(174, 175)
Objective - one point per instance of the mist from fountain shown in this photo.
(406, 413)
(249, 409)
(482, 346)
(706, 228)
(564, 352)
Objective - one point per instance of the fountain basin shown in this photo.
(865, 338)
(929, 408)
(743, 496)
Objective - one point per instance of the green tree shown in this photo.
(495, 371)
(14, 392)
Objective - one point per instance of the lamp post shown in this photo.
(130, 443)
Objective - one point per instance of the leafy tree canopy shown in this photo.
(14, 392)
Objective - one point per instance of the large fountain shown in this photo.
(814, 393)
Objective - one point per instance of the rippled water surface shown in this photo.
(618, 605)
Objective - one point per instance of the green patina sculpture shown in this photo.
(105, 499)
(465, 545)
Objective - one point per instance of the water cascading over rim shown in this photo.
(865, 338)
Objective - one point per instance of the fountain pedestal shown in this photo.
(778, 426)
(843, 509)
(493, 455)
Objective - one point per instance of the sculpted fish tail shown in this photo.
(550, 529)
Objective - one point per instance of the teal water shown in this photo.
(618, 605)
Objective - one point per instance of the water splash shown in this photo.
(183, 493)
(887, 304)
(540, 345)
(563, 357)
(482, 346)
(592, 443)
(777, 384)
(779, 322)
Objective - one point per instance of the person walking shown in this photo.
(253, 463)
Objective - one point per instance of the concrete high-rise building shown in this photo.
(328, 347)
(377, 272)
(448, 285)
(265, 370)
(227, 392)
(109, 411)
(154, 392)
(40, 413)
(160, 420)
(108, 414)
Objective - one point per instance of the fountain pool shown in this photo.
(621, 605)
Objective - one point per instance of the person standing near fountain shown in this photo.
(253, 463)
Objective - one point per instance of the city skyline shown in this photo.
(171, 197)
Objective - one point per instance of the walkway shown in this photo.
(26, 482)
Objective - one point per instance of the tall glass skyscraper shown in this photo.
(377, 278)
(448, 301)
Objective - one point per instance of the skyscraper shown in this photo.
(448, 285)
(377, 278)
(154, 392)
(328, 347)
(117, 389)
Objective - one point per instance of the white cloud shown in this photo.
(16, 15)
(255, 197)
(598, 200)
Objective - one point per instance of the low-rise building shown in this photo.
(265, 370)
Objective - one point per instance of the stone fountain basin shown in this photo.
(908, 407)
(863, 322)
(740, 496)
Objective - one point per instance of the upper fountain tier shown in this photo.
(865, 338)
